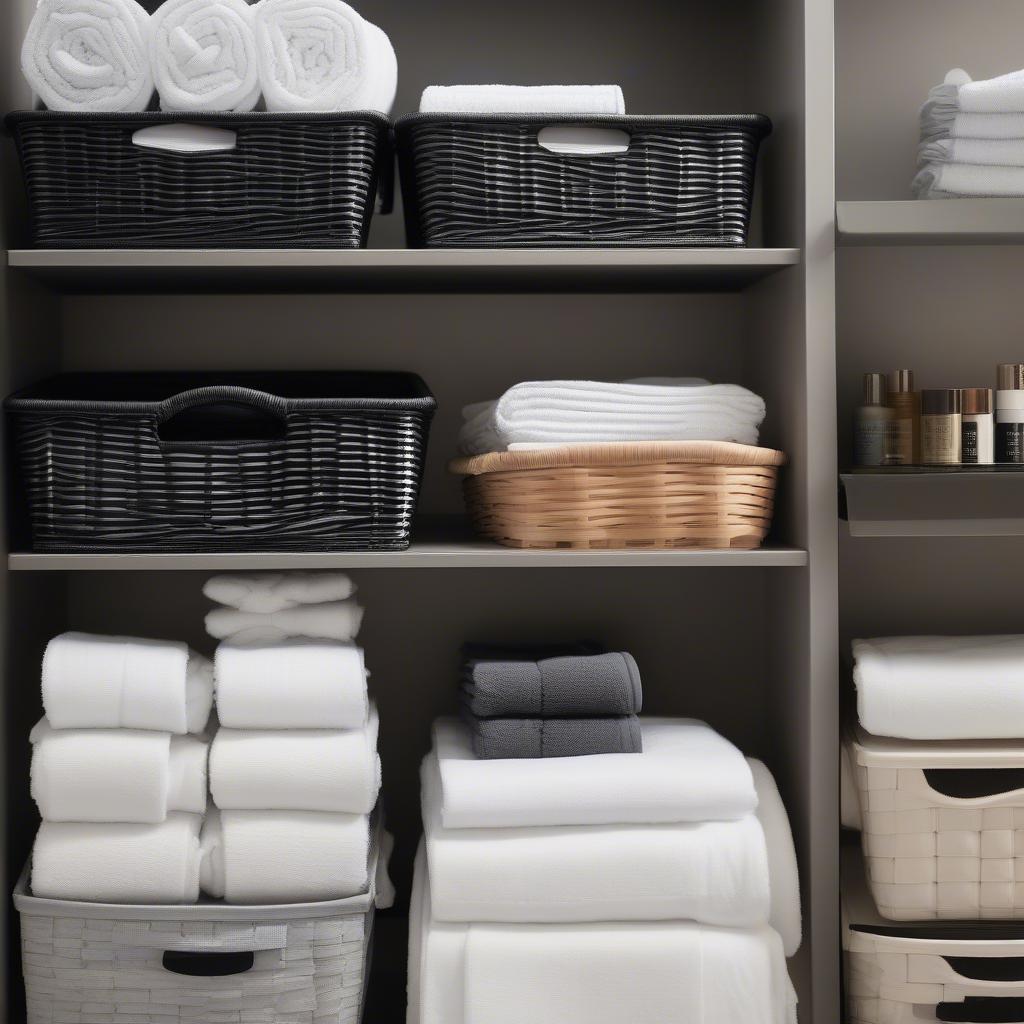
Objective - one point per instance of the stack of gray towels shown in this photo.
(556, 701)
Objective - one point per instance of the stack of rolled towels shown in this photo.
(972, 138)
(208, 55)
(656, 888)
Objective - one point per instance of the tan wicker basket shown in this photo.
(668, 494)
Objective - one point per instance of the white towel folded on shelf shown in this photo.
(284, 856)
(994, 152)
(89, 55)
(941, 687)
(938, 122)
(297, 769)
(128, 775)
(270, 592)
(523, 99)
(568, 412)
(948, 181)
(291, 684)
(1001, 95)
(118, 862)
(112, 682)
(323, 55)
(687, 772)
(204, 55)
(335, 620)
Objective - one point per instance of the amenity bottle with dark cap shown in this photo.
(940, 427)
(977, 428)
(874, 424)
(1010, 413)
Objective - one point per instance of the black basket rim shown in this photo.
(759, 123)
(371, 117)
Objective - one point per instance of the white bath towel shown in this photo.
(269, 592)
(687, 772)
(568, 412)
(1001, 95)
(323, 55)
(297, 769)
(994, 152)
(89, 55)
(291, 684)
(938, 125)
(127, 775)
(335, 620)
(284, 856)
(204, 56)
(943, 181)
(941, 687)
(118, 863)
(520, 99)
(111, 682)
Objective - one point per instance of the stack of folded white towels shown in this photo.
(654, 888)
(972, 138)
(208, 55)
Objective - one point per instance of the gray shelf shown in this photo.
(931, 222)
(405, 270)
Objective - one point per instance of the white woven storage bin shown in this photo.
(942, 826)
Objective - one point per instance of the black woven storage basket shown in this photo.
(478, 180)
(221, 462)
(294, 180)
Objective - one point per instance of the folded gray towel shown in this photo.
(577, 685)
(554, 737)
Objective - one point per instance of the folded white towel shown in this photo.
(336, 620)
(284, 856)
(687, 772)
(1001, 95)
(520, 99)
(567, 412)
(291, 684)
(941, 687)
(269, 592)
(89, 55)
(323, 55)
(112, 682)
(946, 181)
(939, 123)
(126, 775)
(118, 863)
(204, 57)
(297, 769)
(994, 152)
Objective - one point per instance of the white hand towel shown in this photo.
(336, 620)
(89, 55)
(284, 856)
(687, 772)
(1001, 95)
(941, 687)
(297, 769)
(994, 152)
(323, 55)
(291, 684)
(942, 181)
(126, 775)
(269, 592)
(520, 99)
(118, 863)
(111, 682)
(204, 57)
(935, 125)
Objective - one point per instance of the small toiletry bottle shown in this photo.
(940, 427)
(1010, 413)
(873, 424)
(906, 404)
(977, 430)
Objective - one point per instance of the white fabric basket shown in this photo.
(942, 826)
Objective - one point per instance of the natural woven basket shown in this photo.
(669, 494)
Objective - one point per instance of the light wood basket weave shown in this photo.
(669, 494)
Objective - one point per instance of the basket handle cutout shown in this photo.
(975, 783)
(988, 968)
(583, 140)
(208, 965)
(982, 1010)
(180, 137)
(224, 414)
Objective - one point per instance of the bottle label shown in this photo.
(969, 443)
(1010, 442)
(872, 442)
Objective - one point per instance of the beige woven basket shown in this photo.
(668, 494)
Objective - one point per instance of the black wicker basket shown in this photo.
(221, 462)
(294, 180)
(478, 180)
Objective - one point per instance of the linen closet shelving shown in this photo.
(747, 640)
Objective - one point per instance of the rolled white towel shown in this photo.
(336, 620)
(89, 55)
(291, 684)
(523, 99)
(269, 592)
(284, 856)
(323, 55)
(297, 769)
(118, 863)
(204, 55)
(127, 775)
(117, 682)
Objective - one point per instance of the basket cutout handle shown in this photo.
(1007, 969)
(982, 1010)
(981, 786)
(222, 414)
(181, 137)
(208, 965)
(583, 140)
